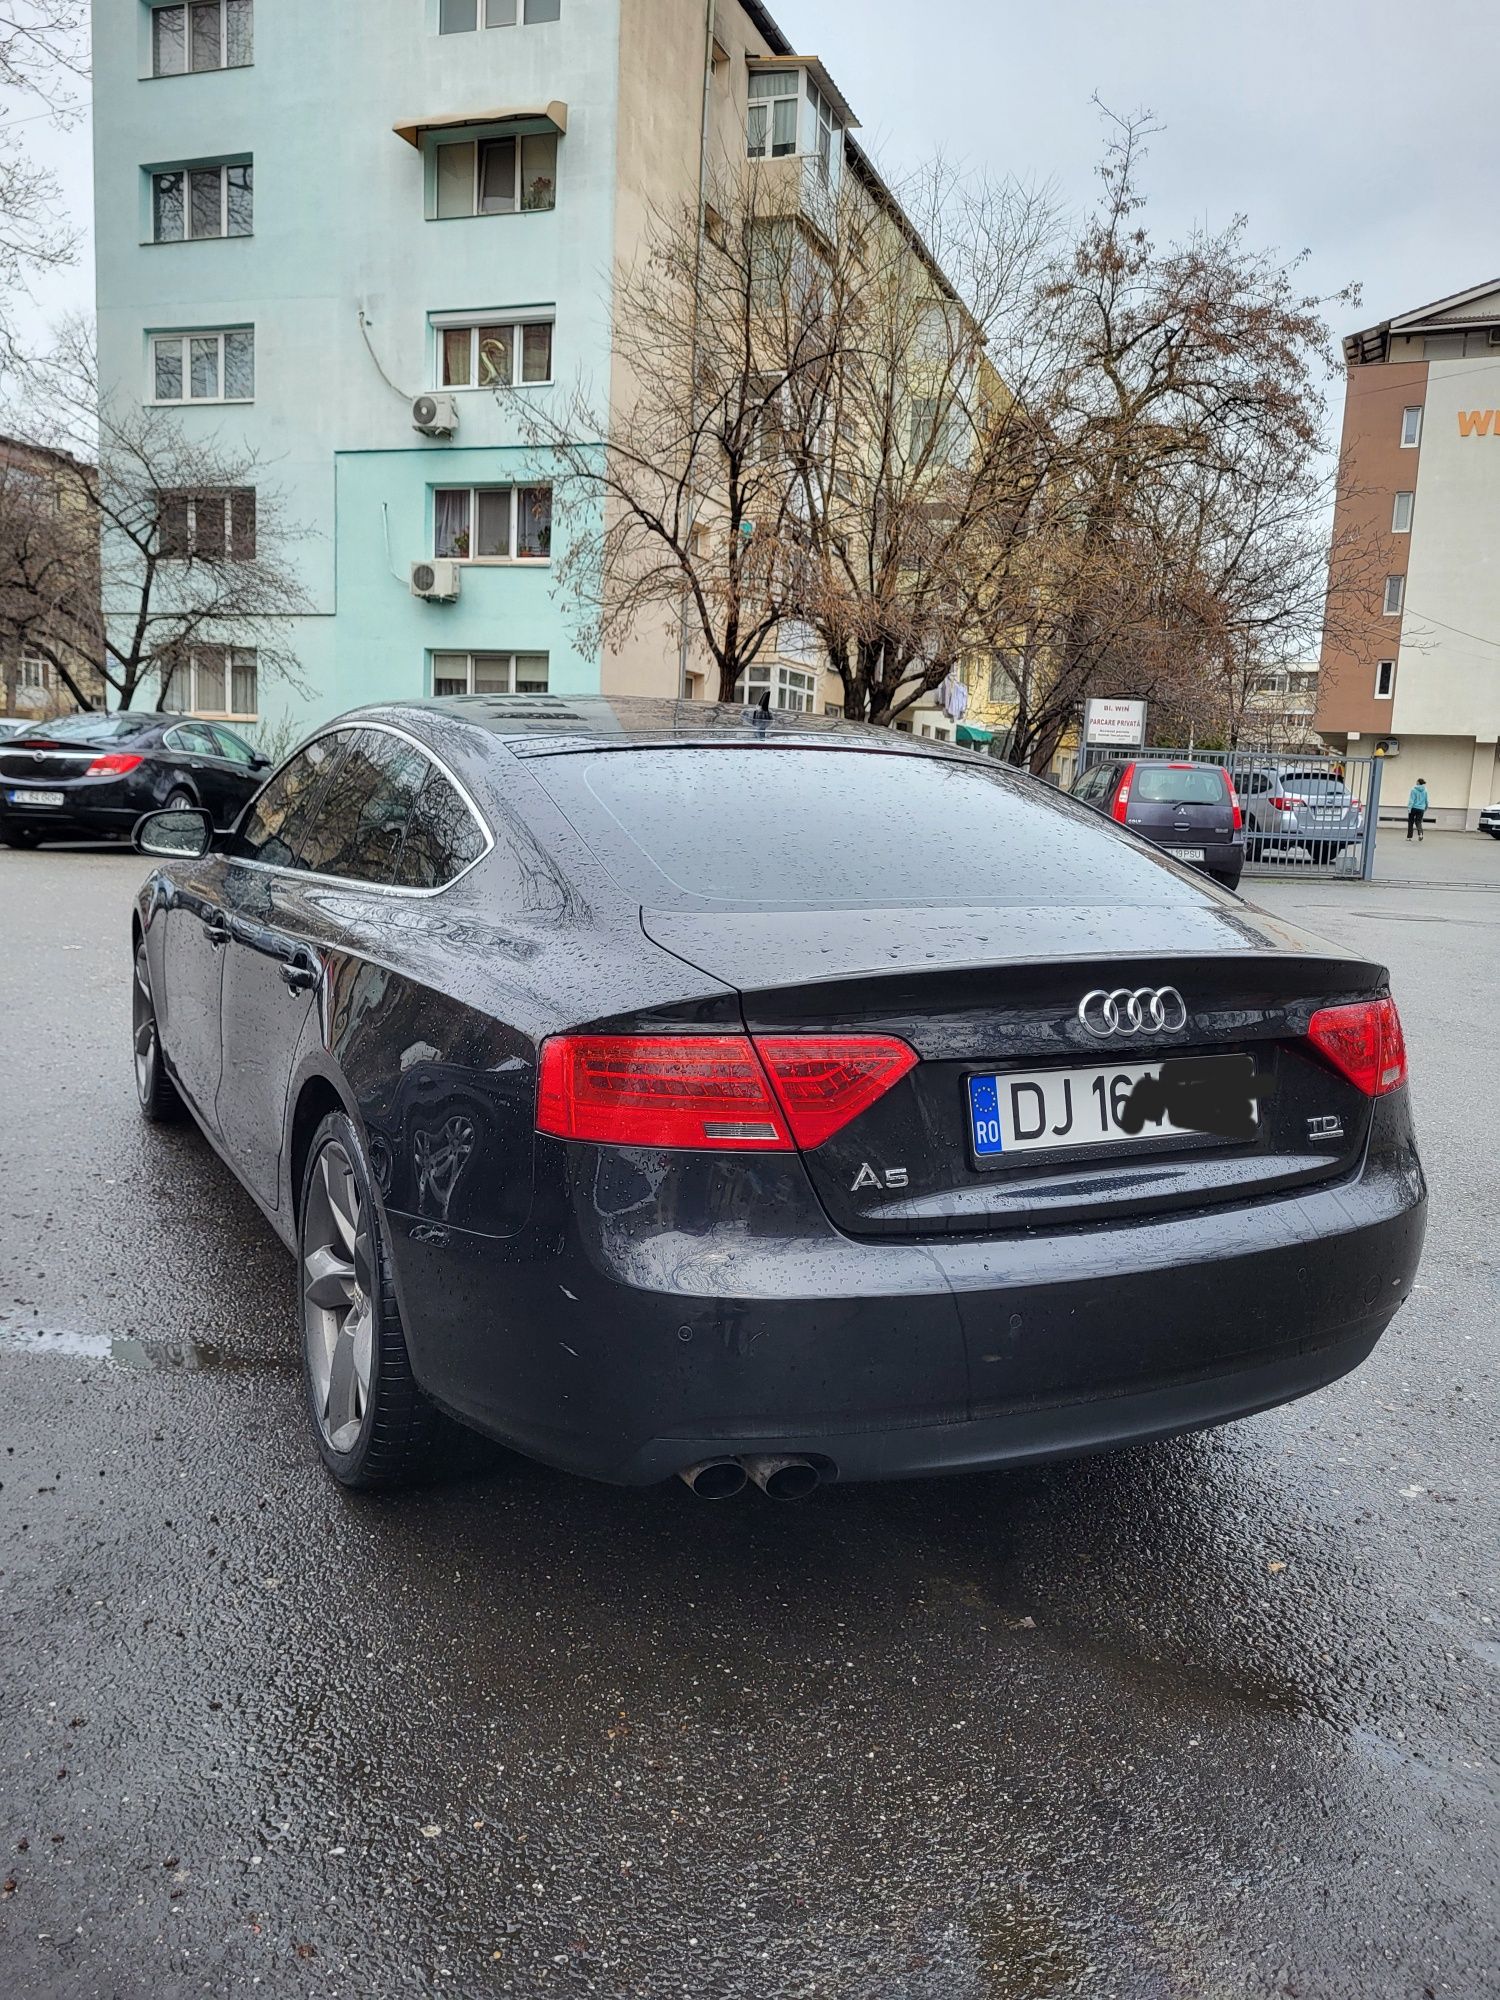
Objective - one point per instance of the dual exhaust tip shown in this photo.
(781, 1478)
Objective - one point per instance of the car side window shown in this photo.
(357, 826)
(273, 825)
(442, 837)
(192, 740)
(231, 746)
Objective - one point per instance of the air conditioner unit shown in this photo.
(437, 581)
(435, 416)
(1388, 746)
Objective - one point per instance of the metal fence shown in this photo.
(1304, 816)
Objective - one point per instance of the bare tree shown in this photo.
(684, 491)
(167, 543)
(42, 58)
(1186, 512)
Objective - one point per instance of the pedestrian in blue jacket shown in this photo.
(1416, 805)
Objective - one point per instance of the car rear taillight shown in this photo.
(113, 764)
(823, 1081)
(1364, 1042)
(1122, 797)
(715, 1093)
(1234, 803)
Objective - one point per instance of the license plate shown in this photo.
(1186, 853)
(1032, 1111)
(35, 798)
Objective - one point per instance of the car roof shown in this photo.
(537, 725)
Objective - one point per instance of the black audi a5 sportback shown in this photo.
(668, 1088)
(81, 777)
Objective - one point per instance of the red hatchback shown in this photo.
(1189, 809)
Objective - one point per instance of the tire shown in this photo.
(19, 836)
(373, 1426)
(155, 1091)
(177, 798)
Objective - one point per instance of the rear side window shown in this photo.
(442, 837)
(1309, 783)
(1164, 785)
(794, 828)
(357, 827)
(235, 748)
(273, 825)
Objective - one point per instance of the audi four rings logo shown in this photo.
(1129, 1011)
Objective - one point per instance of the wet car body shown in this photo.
(89, 776)
(881, 1303)
(1291, 808)
(1188, 808)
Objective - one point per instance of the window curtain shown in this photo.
(208, 677)
(244, 694)
(451, 521)
(495, 363)
(539, 171)
(457, 341)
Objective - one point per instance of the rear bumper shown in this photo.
(79, 817)
(646, 1320)
(1219, 857)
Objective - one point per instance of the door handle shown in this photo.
(215, 929)
(299, 973)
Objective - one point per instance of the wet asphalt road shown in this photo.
(1213, 1719)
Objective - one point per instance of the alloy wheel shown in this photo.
(337, 1308)
(143, 1026)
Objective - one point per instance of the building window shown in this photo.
(190, 203)
(214, 680)
(492, 523)
(1401, 513)
(489, 673)
(208, 34)
(494, 354)
(497, 176)
(214, 525)
(1395, 594)
(203, 367)
(1385, 679)
(789, 687)
(788, 114)
(461, 17)
(1411, 428)
(835, 709)
(774, 99)
(31, 674)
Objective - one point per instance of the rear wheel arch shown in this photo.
(317, 1097)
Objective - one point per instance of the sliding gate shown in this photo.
(1304, 816)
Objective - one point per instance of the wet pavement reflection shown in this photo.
(1211, 1719)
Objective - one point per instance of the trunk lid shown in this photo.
(990, 991)
(1181, 805)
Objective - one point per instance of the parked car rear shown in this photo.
(1189, 809)
(83, 777)
(1299, 807)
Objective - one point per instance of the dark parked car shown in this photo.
(83, 776)
(1190, 809)
(663, 1088)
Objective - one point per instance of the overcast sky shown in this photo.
(1365, 135)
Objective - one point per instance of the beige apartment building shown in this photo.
(1414, 673)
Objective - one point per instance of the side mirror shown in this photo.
(179, 833)
(259, 762)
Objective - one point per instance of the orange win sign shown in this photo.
(1476, 423)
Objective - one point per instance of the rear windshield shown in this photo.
(92, 728)
(1311, 782)
(1161, 785)
(795, 828)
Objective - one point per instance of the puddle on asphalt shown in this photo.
(190, 1357)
